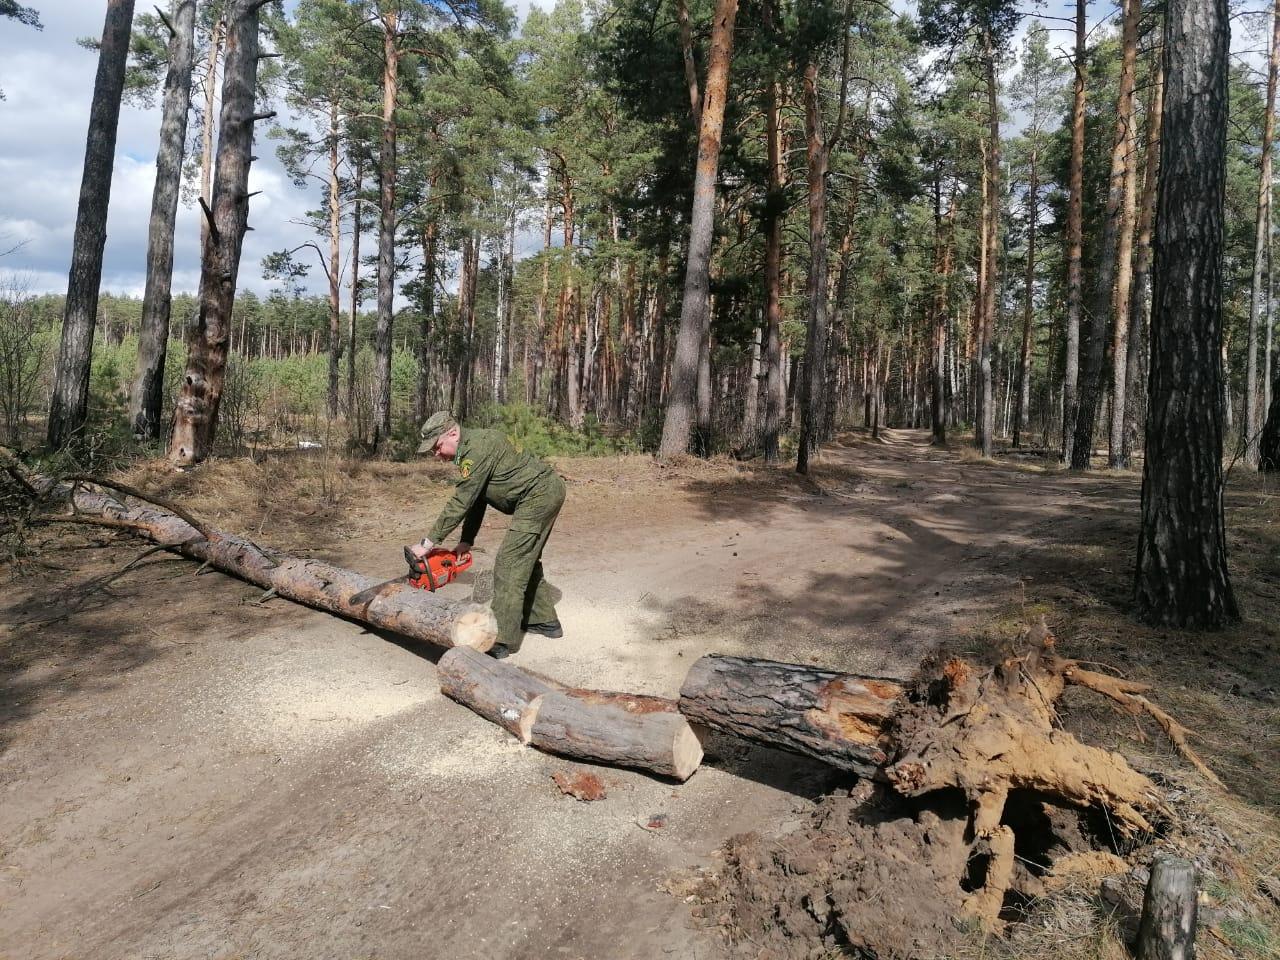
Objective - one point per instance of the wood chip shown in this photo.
(580, 786)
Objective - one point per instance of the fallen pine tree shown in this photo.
(399, 608)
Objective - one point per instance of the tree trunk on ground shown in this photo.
(70, 401)
(408, 611)
(775, 390)
(1075, 242)
(1181, 576)
(500, 692)
(621, 729)
(382, 338)
(678, 422)
(147, 395)
(195, 418)
(1261, 237)
(837, 718)
(1139, 299)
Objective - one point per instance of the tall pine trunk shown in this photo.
(678, 422)
(335, 259)
(356, 227)
(1139, 298)
(70, 401)
(1021, 417)
(147, 395)
(386, 235)
(1094, 353)
(1075, 244)
(207, 130)
(1181, 577)
(1261, 237)
(992, 238)
(422, 391)
(813, 387)
(775, 206)
(195, 418)
(1121, 335)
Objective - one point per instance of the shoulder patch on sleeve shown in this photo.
(465, 467)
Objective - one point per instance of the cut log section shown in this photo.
(647, 733)
(498, 691)
(834, 717)
(399, 608)
(619, 729)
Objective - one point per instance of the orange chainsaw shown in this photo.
(437, 568)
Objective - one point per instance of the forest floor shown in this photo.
(185, 772)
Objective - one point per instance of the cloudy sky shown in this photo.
(47, 81)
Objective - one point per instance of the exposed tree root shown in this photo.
(988, 797)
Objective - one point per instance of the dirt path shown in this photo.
(188, 774)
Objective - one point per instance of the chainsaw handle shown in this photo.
(416, 564)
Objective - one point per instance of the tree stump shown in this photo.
(1168, 929)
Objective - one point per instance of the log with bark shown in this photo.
(399, 608)
(837, 718)
(619, 729)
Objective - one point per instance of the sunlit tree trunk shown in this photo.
(147, 395)
(1075, 242)
(775, 390)
(356, 227)
(195, 418)
(1261, 237)
(70, 400)
(1020, 420)
(207, 130)
(992, 239)
(1093, 355)
(335, 258)
(678, 422)
(1139, 300)
(386, 233)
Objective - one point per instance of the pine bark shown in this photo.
(1140, 298)
(195, 417)
(422, 393)
(147, 395)
(1021, 417)
(207, 130)
(991, 283)
(410, 612)
(1075, 243)
(1181, 577)
(356, 227)
(678, 423)
(775, 204)
(1094, 352)
(1120, 332)
(335, 259)
(70, 402)
(1261, 237)
(386, 233)
(837, 718)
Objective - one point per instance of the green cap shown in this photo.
(438, 423)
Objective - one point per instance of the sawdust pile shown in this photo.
(987, 805)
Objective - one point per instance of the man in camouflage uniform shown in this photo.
(493, 473)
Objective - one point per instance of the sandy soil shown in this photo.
(186, 773)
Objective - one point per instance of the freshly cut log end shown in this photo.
(476, 628)
(603, 730)
(837, 718)
(499, 692)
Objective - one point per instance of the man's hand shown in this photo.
(463, 550)
(421, 548)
